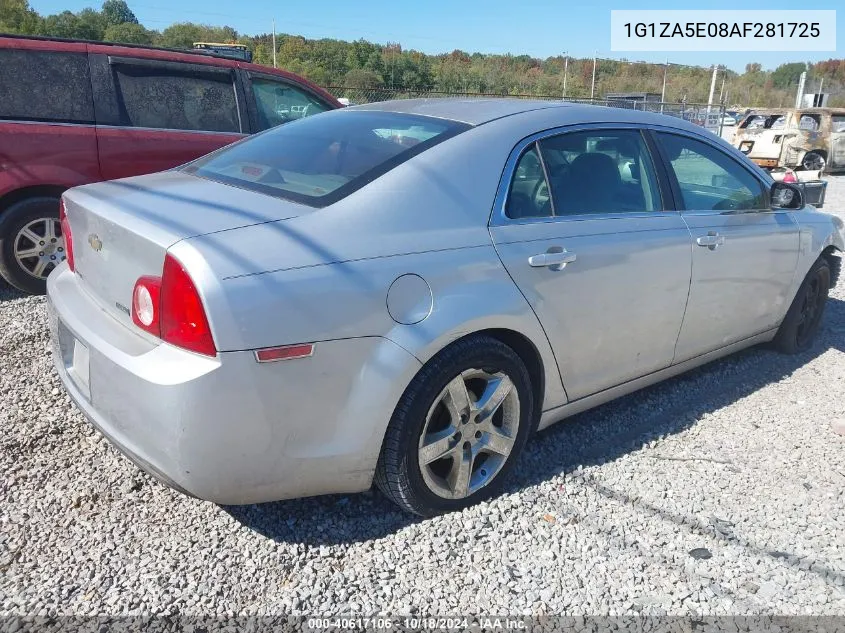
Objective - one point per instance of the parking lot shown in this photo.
(718, 492)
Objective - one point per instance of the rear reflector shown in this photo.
(285, 352)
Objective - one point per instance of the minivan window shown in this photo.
(709, 179)
(321, 159)
(158, 97)
(45, 86)
(279, 103)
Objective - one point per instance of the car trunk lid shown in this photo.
(122, 229)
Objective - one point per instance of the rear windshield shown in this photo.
(320, 159)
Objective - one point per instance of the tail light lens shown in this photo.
(67, 235)
(171, 308)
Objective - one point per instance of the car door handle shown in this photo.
(554, 260)
(711, 240)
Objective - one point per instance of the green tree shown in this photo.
(128, 33)
(361, 78)
(787, 75)
(17, 17)
(118, 12)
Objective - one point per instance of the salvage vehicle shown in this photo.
(403, 292)
(75, 112)
(809, 139)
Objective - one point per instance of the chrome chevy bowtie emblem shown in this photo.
(95, 242)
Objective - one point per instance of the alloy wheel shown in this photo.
(469, 433)
(39, 247)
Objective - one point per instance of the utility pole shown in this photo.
(565, 69)
(799, 96)
(274, 42)
(663, 92)
(593, 85)
(712, 87)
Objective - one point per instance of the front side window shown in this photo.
(160, 97)
(710, 180)
(319, 160)
(600, 171)
(278, 103)
(837, 123)
(764, 121)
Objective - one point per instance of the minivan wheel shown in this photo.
(458, 428)
(31, 243)
(813, 161)
(799, 327)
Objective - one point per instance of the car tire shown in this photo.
(798, 330)
(813, 161)
(436, 415)
(30, 214)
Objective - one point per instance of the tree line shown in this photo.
(368, 65)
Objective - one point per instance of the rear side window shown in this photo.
(165, 97)
(45, 86)
(278, 103)
(809, 122)
(321, 159)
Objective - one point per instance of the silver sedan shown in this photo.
(403, 292)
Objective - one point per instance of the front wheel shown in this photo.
(31, 243)
(458, 428)
(799, 327)
(813, 161)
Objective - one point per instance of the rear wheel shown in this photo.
(458, 428)
(799, 327)
(31, 243)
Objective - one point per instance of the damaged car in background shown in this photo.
(806, 139)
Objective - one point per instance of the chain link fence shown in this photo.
(711, 117)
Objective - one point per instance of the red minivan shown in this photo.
(74, 112)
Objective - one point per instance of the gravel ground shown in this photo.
(719, 492)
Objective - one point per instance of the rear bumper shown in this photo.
(228, 429)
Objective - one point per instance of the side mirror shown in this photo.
(786, 196)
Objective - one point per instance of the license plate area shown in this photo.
(75, 358)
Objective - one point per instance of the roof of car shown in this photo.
(480, 111)
(467, 110)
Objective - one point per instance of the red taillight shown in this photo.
(790, 177)
(66, 234)
(183, 320)
(171, 308)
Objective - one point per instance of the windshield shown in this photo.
(320, 159)
(764, 121)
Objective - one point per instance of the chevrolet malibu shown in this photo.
(403, 292)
